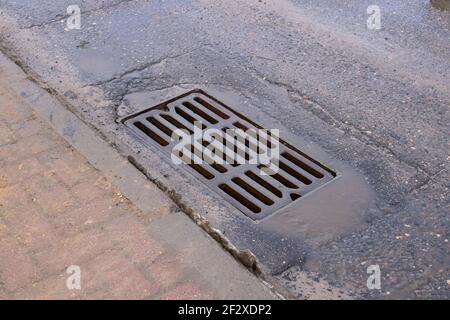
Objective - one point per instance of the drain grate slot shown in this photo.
(211, 108)
(264, 183)
(239, 180)
(294, 173)
(176, 123)
(253, 133)
(200, 113)
(302, 165)
(160, 126)
(240, 198)
(295, 196)
(205, 173)
(150, 133)
(253, 191)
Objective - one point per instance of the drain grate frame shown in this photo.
(257, 196)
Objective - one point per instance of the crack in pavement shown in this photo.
(321, 113)
(145, 66)
(296, 95)
(61, 17)
(427, 181)
(121, 97)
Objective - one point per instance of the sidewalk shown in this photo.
(56, 210)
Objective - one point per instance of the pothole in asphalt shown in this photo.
(251, 167)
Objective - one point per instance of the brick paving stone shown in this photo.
(73, 250)
(86, 216)
(17, 269)
(133, 238)
(168, 271)
(30, 228)
(187, 291)
(3, 229)
(115, 277)
(10, 113)
(6, 135)
(22, 170)
(70, 167)
(51, 195)
(29, 128)
(4, 295)
(51, 288)
(86, 191)
(13, 197)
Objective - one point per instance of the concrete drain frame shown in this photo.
(257, 196)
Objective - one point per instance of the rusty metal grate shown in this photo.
(256, 195)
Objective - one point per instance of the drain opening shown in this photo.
(188, 117)
(261, 197)
(251, 187)
(205, 173)
(199, 112)
(160, 126)
(252, 132)
(150, 133)
(302, 165)
(264, 183)
(277, 176)
(211, 108)
(294, 173)
(295, 196)
(240, 198)
(175, 123)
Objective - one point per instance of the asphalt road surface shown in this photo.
(377, 101)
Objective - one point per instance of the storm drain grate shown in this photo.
(242, 184)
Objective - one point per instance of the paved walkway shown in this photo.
(56, 211)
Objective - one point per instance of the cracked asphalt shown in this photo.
(375, 100)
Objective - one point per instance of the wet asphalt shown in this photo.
(376, 101)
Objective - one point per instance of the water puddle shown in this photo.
(336, 209)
